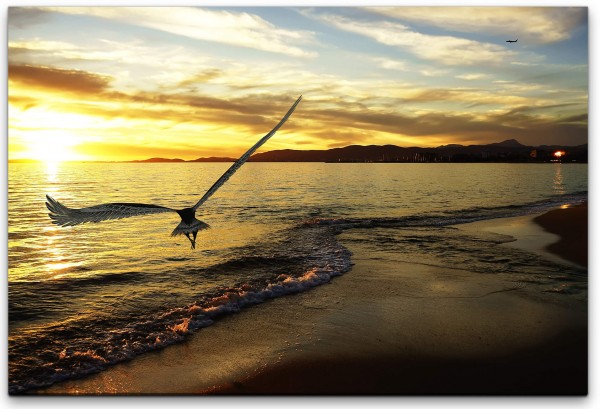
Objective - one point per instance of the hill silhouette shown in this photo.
(509, 150)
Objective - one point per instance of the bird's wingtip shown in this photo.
(51, 204)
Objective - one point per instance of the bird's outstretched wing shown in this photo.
(64, 216)
(238, 163)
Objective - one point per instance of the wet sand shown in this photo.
(386, 327)
(571, 225)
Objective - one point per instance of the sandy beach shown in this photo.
(388, 326)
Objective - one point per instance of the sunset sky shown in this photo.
(134, 83)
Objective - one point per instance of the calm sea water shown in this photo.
(85, 297)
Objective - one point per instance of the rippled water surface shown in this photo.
(82, 298)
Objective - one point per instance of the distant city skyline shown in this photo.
(111, 83)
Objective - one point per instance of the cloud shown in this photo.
(443, 49)
(203, 76)
(41, 45)
(428, 72)
(90, 95)
(579, 119)
(96, 87)
(22, 17)
(471, 77)
(462, 128)
(390, 64)
(531, 24)
(467, 96)
(131, 63)
(57, 79)
(261, 77)
(232, 28)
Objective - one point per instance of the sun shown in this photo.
(52, 146)
(47, 135)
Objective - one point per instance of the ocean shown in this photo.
(86, 297)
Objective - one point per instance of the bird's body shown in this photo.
(189, 225)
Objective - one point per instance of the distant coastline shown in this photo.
(509, 151)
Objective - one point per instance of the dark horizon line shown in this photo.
(510, 143)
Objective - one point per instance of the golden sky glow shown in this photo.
(134, 83)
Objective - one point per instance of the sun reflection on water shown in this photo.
(51, 171)
(57, 261)
(558, 185)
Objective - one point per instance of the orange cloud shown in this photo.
(58, 79)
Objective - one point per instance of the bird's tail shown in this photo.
(185, 228)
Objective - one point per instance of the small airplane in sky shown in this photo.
(512, 41)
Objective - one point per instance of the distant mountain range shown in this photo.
(507, 151)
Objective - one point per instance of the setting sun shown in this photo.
(48, 135)
(52, 146)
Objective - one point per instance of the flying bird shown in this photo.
(512, 41)
(189, 225)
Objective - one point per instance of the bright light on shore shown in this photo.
(559, 154)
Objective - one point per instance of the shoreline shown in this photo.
(541, 367)
(560, 234)
(388, 326)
